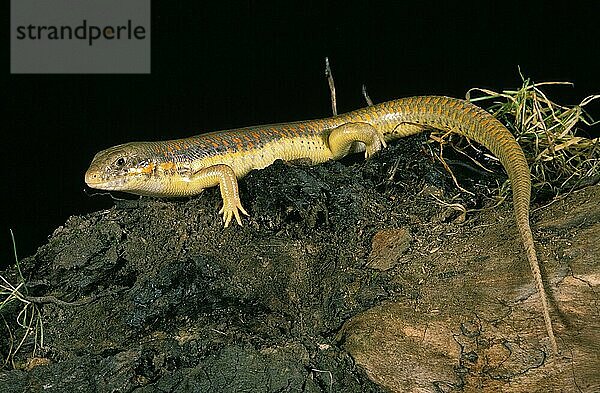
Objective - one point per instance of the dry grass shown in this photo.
(560, 158)
(30, 328)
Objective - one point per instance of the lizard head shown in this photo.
(120, 168)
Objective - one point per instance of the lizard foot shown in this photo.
(232, 209)
(377, 144)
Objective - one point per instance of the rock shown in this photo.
(481, 329)
(387, 247)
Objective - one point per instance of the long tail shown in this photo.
(460, 116)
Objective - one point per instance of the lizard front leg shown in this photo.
(343, 137)
(223, 176)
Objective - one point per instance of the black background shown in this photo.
(222, 65)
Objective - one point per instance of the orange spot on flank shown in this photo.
(165, 166)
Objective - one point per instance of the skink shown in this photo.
(185, 167)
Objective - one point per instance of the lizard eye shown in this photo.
(120, 162)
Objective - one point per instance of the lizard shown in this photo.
(185, 167)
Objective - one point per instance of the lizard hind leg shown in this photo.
(342, 140)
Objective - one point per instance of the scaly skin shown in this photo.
(185, 167)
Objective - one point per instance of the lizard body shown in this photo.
(185, 167)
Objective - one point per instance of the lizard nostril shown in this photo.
(91, 177)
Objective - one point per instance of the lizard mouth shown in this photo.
(95, 180)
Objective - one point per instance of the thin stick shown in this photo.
(366, 95)
(329, 76)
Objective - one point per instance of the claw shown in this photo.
(230, 210)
